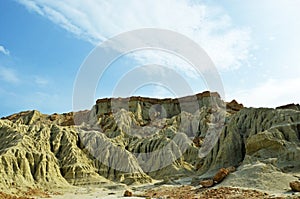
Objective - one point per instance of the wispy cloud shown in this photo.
(40, 81)
(94, 21)
(31, 6)
(271, 93)
(8, 75)
(4, 50)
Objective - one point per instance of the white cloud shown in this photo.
(4, 50)
(272, 93)
(31, 6)
(154, 90)
(169, 60)
(8, 75)
(40, 81)
(93, 20)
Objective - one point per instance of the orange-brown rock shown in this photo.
(295, 186)
(8, 196)
(207, 183)
(220, 175)
(198, 141)
(234, 105)
(127, 193)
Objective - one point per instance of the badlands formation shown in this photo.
(137, 141)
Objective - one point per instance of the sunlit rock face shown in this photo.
(135, 140)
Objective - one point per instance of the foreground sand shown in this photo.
(153, 191)
(179, 192)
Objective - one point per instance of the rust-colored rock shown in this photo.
(127, 193)
(8, 196)
(234, 105)
(198, 141)
(295, 186)
(221, 175)
(207, 183)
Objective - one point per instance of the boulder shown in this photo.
(127, 193)
(220, 175)
(295, 186)
(207, 183)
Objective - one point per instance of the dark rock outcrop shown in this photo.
(295, 107)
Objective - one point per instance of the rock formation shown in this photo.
(295, 186)
(136, 140)
(263, 143)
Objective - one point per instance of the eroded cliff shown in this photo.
(136, 140)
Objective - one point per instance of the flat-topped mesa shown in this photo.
(169, 106)
(141, 107)
(156, 100)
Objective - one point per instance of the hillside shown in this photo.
(141, 140)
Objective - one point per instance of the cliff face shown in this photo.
(144, 107)
(135, 140)
(258, 134)
(264, 144)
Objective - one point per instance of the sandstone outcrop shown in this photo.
(290, 106)
(135, 140)
(234, 106)
(295, 186)
(128, 193)
(262, 143)
(258, 133)
(220, 175)
(207, 183)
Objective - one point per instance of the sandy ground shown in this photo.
(175, 192)
(92, 193)
(180, 189)
(110, 192)
(164, 192)
(183, 192)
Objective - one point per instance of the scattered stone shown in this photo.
(295, 186)
(207, 183)
(127, 193)
(186, 192)
(231, 169)
(221, 175)
(8, 196)
(229, 192)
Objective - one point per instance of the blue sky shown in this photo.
(254, 44)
